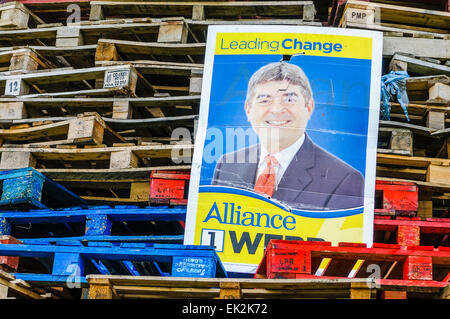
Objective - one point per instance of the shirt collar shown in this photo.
(285, 156)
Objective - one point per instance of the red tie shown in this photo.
(265, 184)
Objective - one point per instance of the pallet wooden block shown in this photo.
(420, 88)
(395, 141)
(173, 31)
(22, 60)
(440, 92)
(16, 15)
(12, 110)
(29, 188)
(438, 174)
(69, 36)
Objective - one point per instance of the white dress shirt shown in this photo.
(284, 158)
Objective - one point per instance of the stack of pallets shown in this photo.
(105, 108)
(101, 98)
(413, 149)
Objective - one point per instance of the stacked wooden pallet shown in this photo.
(413, 147)
(95, 105)
(138, 65)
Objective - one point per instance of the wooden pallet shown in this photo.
(108, 50)
(117, 107)
(431, 170)
(409, 266)
(338, 6)
(12, 288)
(86, 129)
(143, 287)
(55, 11)
(136, 29)
(369, 13)
(63, 81)
(155, 187)
(402, 138)
(142, 78)
(203, 10)
(116, 157)
(419, 89)
(417, 67)
(395, 141)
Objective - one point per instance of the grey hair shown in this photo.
(280, 71)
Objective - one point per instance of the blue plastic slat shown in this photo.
(100, 267)
(130, 267)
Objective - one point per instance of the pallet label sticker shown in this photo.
(286, 140)
(116, 78)
(13, 87)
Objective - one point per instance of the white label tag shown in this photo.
(12, 87)
(116, 78)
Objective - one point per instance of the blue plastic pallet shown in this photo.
(98, 219)
(70, 260)
(27, 188)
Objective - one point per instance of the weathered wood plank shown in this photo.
(432, 48)
(418, 66)
(212, 9)
(149, 48)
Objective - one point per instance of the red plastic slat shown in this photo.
(362, 245)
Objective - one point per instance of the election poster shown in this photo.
(286, 140)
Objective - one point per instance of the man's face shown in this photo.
(278, 113)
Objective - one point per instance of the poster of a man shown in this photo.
(289, 166)
(286, 140)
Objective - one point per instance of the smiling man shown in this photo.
(287, 165)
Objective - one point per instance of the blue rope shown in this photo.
(393, 85)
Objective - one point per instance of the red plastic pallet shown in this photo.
(169, 187)
(396, 198)
(413, 231)
(398, 265)
(8, 263)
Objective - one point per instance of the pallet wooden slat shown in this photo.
(212, 9)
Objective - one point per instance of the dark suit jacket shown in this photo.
(314, 180)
